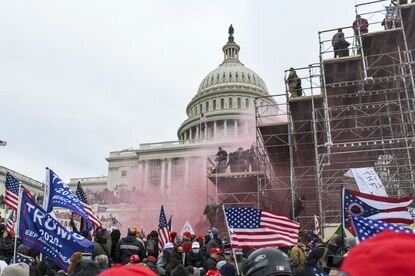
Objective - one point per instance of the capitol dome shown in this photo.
(225, 98)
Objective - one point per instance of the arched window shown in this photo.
(222, 103)
(239, 103)
(214, 105)
(230, 103)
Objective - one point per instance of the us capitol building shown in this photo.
(174, 174)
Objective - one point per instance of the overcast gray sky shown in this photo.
(82, 78)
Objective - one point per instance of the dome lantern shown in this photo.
(231, 49)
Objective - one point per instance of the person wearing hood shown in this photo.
(214, 240)
(195, 257)
(128, 246)
(163, 258)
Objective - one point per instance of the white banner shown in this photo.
(367, 180)
(187, 227)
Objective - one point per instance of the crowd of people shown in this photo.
(208, 255)
(239, 161)
(111, 197)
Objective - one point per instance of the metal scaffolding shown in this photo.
(356, 111)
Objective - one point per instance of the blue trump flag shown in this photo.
(40, 231)
(58, 194)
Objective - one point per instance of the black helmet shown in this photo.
(268, 261)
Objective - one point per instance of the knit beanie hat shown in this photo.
(227, 270)
(388, 253)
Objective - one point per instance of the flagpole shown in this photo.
(17, 225)
(342, 218)
(230, 240)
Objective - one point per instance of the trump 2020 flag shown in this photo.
(40, 231)
(58, 194)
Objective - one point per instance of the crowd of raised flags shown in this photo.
(364, 215)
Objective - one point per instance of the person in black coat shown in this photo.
(175, 260)
(129, 246)
(195, 257)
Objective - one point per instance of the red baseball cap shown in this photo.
(187, 234)
(199, 238)
(215, 250)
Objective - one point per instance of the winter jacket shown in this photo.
(173, 262)
(6, 248)
(195, 260)
(129, 246)
(210, 263)
(98, 250)
(162, 261)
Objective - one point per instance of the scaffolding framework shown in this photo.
(357, 111)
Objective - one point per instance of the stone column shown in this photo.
(197, 132)
(186, 172)
(169, 174)
(140, 175)
(185, 135)
(235, 127)
(145, 178)
(163, 179)
(214, 129)
(225, 128)
(190, 134)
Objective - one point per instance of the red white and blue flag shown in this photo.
(386, 209)
(366, 228)
(163, 230)
(10, 223)
(91, 215)
(254, 228)
(12, 191)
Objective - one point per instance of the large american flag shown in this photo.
(254, 228)
(91, 215)
(366, 228)
(163, 230)
(12, 191)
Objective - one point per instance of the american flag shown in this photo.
(12, 191)
(254, 228)
(115, 222)
(375, 207)
(82, 197)
(10, 223)
(366, 228)
(164, 232)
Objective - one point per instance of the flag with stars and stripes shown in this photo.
(255, 228)
(366, 228)
(91, 215)
(386, 209)
(12, 191)
(163, 230)
(10, 223)
(116, 223)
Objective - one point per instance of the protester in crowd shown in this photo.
(227, 269)
(128, 246)
(297, 255)
(214, 241)
(176, 259)
(100, 244)
(186, 242)
(240, 260)
(86, 267)
(318, 257)
(6, 245)
(195, 257)
(152, 248)
(268, 261)
(115, 238)
(360, 24)
(221, 160)
(164, 257)
(75, 258)
(340, 45)
(294, 84)
(214, 257)
(102, 262)
(151, 262)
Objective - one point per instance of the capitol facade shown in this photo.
(175, 173)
